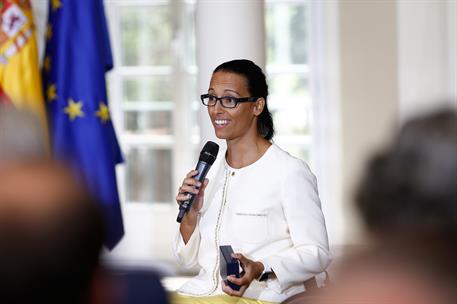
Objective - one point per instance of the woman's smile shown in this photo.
(221, 123)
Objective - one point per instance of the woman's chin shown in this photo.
(220, 134)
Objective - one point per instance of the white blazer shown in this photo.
(270, 212)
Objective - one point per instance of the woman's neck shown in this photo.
(243, 152)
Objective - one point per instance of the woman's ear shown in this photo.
(259, 105)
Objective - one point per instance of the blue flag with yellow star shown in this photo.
(77, 56)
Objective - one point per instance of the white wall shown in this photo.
(369, 91)
(426, 55)
(397, 58)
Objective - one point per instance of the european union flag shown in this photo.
(77, 56)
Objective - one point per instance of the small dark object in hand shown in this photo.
(229, 266)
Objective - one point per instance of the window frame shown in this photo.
(180, 71)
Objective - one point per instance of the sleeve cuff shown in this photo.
(187, 253)
(266, 270)
(283, 277)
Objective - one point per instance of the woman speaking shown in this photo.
(261, 201)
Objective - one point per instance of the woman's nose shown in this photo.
(218, 108)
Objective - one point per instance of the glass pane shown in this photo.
(191, 91)
(145, 35)
(149, 122)
(294, 121)
(289, 86)
(290, 104)
(298, 32)
(147, 88)
(110, 84)
(286, 33)
(189, 34)
(148, 175)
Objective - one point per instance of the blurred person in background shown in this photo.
(262, 201)
(51, 229)
(408, 201)
(409, 191)
(51, 234)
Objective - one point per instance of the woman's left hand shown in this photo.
(252, 271)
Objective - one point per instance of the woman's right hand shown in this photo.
(191, 185)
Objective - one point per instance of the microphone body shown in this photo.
(202, 168)
(207, 157)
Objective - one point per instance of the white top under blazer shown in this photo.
(270, 212)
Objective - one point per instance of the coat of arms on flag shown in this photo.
(20, 81)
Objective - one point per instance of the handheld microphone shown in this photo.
(207, 157)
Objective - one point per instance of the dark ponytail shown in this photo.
(257, 86)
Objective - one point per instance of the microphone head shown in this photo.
(209, 152)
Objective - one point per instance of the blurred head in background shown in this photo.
(51, 235)
(409, 191)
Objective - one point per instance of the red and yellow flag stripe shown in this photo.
(20, 80)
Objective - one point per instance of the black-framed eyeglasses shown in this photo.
(226, 101)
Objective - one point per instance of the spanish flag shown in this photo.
(20, 80)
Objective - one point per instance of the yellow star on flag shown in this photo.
(74, 109)
(56, 4)
(103, 112)
(47, 64)
(49, 32)
(51, 92)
